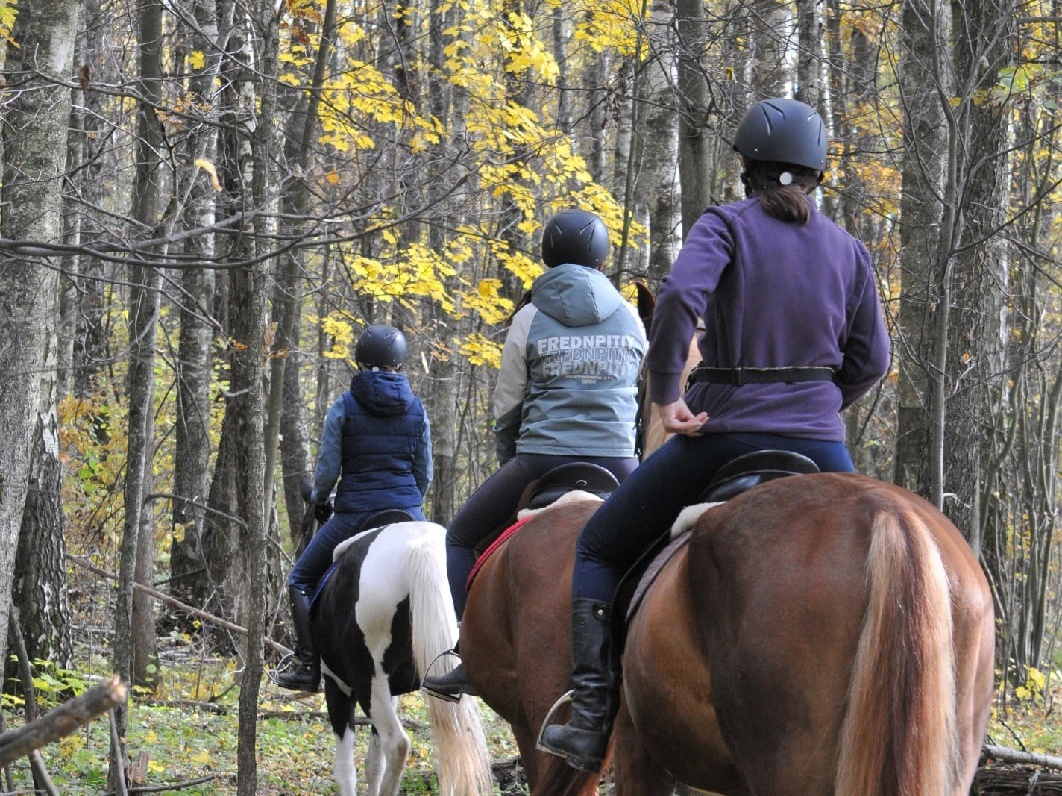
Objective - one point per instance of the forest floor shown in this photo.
(182, 735)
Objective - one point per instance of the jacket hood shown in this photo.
(575, 295)
(381, 392)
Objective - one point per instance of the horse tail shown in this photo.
(457, 728)
(899, 736)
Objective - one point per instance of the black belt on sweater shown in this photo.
(739, 376)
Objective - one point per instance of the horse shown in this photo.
(515, 634)
(383, 615)
(817, 634)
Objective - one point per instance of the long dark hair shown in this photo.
(782, 187)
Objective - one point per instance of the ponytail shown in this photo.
(783, 189)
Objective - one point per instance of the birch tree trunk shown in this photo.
(659, 190)
(34, 146)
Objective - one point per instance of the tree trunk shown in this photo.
(249, 326)
(978, 332)
(40, 591)
(34, 146)
(286, 410)
(194, 368)
(925, 131)
(134, 626)
(659, 188)
(694, 149)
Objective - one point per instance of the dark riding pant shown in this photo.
(646, 505)
(317, 557)
(493, 504)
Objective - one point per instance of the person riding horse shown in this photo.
(567, 392)
(377, 444)
(793, 334)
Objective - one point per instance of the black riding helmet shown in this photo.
(575, 236)
(381, 346)
(783, 131)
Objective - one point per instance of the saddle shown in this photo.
(733, 478)
(564, 478)
(378, 519)
(543, 492)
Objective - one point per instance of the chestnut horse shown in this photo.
(515, 634)
(819, 634)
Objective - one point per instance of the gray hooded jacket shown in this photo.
(569, 374)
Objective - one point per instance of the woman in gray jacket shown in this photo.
(567, 392)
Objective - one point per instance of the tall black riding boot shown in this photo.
(308, 676)
(583, 741)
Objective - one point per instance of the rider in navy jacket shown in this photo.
(377, 444)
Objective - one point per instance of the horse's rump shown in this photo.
(768, 602)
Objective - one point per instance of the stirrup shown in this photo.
(563, 700)
(463, 689)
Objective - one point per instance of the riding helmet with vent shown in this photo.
(575, 236)
(381, 346)
(783, 131)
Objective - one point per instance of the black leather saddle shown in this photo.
(752, 469)
(564, 478)
(379, 519)
(730, 480)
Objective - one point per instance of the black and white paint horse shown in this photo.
(383, 615)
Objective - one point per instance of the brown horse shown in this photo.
(820, 634)
(515, 635)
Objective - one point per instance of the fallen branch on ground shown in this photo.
(62, 721)
(188, 609)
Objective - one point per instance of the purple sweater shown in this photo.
(772, 294)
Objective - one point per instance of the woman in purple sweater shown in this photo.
(793, 334)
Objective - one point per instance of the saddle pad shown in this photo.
(502, 539)
(652, 570)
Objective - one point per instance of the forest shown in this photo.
(203, 203)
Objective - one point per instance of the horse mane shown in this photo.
(900, 734)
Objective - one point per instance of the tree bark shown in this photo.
(921, 213)
(659, 190)
(249, 327)
(34, 146)
(978, 333)
(134, 623)
(194, 367)
(693, 102)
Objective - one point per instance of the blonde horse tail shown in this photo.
(457, 728)
(899, 736)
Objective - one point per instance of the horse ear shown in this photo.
(646, 303)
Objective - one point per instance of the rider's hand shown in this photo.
(678, 419)
(322, 512)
